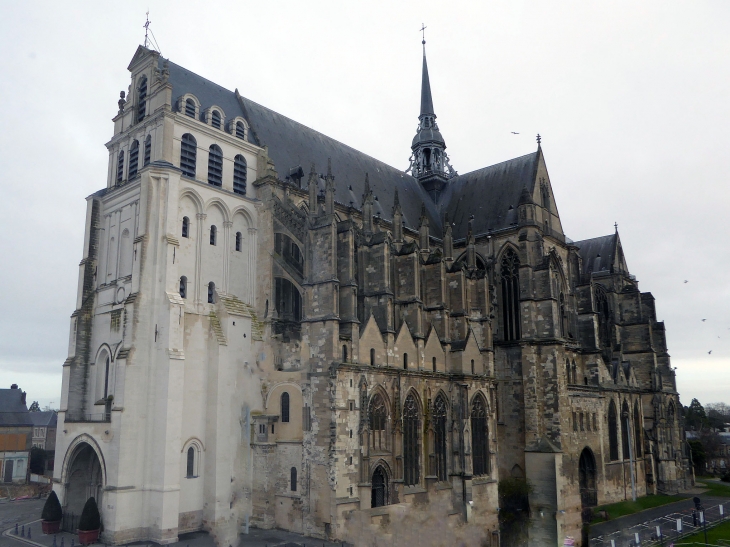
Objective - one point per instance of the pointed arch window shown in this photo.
(479, 436)
(120, 166)
(562, 317)
(603, 311)
(148, 150)
(612, 431)
(510, 274)
(239, 174)
(215, 165)
(344, 354)
(433, 363)
(142, 99)
(670, 424)
(215, 119)
(293, 479)
(213, 235)
(133, 159)
(240, 130)
(211, 293)
(188, 155)
(439, 437)
(190, 471)
(625, 431)
(637, 430)
(405, 361)
(190, 108)
(239, 241)
(186, 227)
(379, 493)
(288, 300)
(285, 407)
(568, 376)
(378, 416)
(587, 479)
(183, 287)
(372, 357)
(411, 444)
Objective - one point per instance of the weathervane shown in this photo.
(150, 41)
(146, 29)
(539, 139)
(423, 30)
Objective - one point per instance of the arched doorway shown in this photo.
(379, 490)
(84, 479)
(587, 471)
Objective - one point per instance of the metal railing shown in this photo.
(92, 417)
(664, 530)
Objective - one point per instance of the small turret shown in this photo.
(423, 231)
(448, 240)
(471, 251)
(525, 208)
(329, 190)
(367, 207)
(397, 219)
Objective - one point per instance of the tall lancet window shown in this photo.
(411, 429)
(626, 431)
(612, 432)
(637, 430)
(378, 415)
(133, 159)
(479, 436)
(142, 99)
(439, 437)
(188, 154)
(510, 273)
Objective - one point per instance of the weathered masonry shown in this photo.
(275, 329)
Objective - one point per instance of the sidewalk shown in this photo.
(255, 538)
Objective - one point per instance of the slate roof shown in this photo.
(46, 418)
(13, 410)
(597, 253)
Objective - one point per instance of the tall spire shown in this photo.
(426, 100)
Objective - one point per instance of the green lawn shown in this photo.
(720, 489)
(713, 534)
(629, 507)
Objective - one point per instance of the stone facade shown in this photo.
(328, 353)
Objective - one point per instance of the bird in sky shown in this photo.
(686, 281)
(704, 320)
(514, 132)
(709, 352)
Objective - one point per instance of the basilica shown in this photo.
(275, 330)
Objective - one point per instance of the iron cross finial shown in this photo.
(615, 225)
(423, 30)
(539, 139)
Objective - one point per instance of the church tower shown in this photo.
(429, 162)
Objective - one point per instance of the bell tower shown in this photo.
(429, 163)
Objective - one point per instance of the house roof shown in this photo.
(48, 418)
(13, 410)
(597, 253)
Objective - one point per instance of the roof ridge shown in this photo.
(594, 238)
(495, 164)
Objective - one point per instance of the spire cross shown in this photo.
(423, 30)
(615, 225)
(539, 139)
(146, 28)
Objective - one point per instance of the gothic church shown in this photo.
(273, 329)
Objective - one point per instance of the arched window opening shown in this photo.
(637, 430)
(215, 165)
(215, 119)
(190, 472)
(186, 227)
(411, 445)
(612, 431)
(433, 363)
(288, 300)
(575, 373)
(120, 166)
(293, 479)
(285, 408)
(287, 248)
(239, 174)
(379, 493)
(344, 353)
(510, 274)
(106, 377)
(472, 366)
(188, 155)
(604, 317)
(372, 357)
(670, 424)
(405, 361)
(240, 130)
(148, 149)
(585, 380)
(211, 293)
(562, 317)
(568, 378)
(439, 437)
(133, 159)
(378, 415)
(239, 240)
(190, 108)
(626, 431)
(213, 235)
(587, 479)
(142, 99)
(183, 287)
(479, 436)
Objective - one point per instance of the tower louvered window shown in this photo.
(479, 437)
(142, 99)
(239, 174)
(239, 239)
(439, 437)
(120, 166)
(377, 415)
(215, 119)
(148, 149)
(215, 165)
(240, 130)
(133, 159)
(190, 108)
(188, 155)
(510, 273)
(612, 431)
(411, 428)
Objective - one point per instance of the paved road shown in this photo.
(18, 511)
(623, 523)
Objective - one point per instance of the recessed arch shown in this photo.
(587, 478)
(221, 206)
(195, 197)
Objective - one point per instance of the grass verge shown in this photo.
(714, 488)
(629, 507)
(713, 534)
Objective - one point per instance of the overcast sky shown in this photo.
(631, 99)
